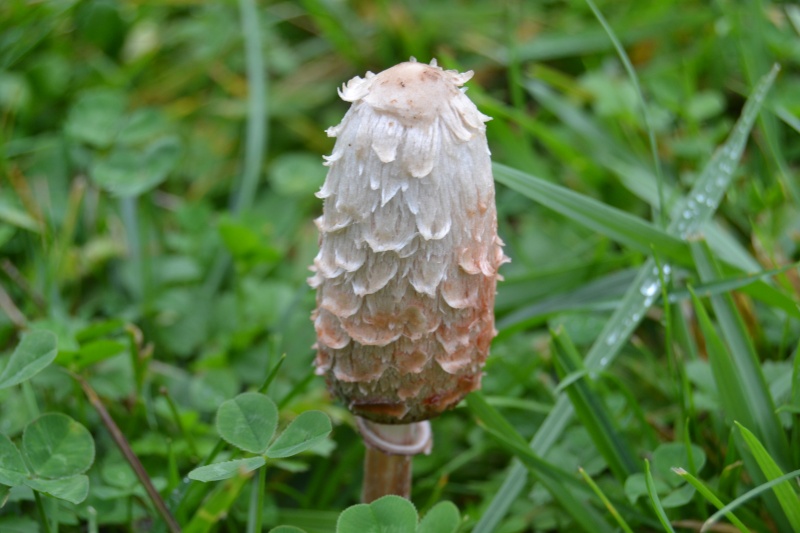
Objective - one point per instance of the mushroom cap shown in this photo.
(409, 252)
(414, 92)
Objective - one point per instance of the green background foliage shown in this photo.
(158, 164)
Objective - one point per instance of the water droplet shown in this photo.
(649, 288)
(604, 361)
(612, 337)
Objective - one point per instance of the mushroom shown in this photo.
(409, 253)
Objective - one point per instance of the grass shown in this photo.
(157, 176)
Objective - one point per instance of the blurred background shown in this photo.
(157, 176)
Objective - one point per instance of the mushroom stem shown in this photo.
(390, 448)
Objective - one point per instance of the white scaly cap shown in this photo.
(409, 252)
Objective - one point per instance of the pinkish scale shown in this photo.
(409, 252)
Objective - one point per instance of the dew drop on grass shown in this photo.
(649, 288)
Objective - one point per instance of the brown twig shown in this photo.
(11, 309)
(16, 276)
(127, 452)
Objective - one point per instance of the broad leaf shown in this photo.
(97, 117)
(248, 421)
(130, 172)
(303, 433)
(443, 518)
(57, 446)
(13, 471)
(17, 524)
(73, 489)
(390, 514)
(227, 469)
(674, 455)
(35, 351)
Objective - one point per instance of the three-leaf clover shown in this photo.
(392, 513)
(248, 422)
(58, 449)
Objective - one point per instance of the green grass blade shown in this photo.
(787, 497)
(726, 375)
(651, 134)
(585, 515)
(554, 479)
(601, 294)
(609, 505)
(654, 499)
(496, 424)
(218, 504)
(272, 375)
(592, 411)
(769, 295)
(256, 132)
(633, 174)
(752, 30)
(742, 282)
(786, 116)
(591, 40)
(512, 485)
(710, 497)
(517, 291)
(728, 248)
(747, 496)
(338, 24)
(741, 385)
(612, 338)
(622, 227)
(256, 138)
(795, 401)
(794, 406)
(709, 188)
(743, 389)
(605, 293)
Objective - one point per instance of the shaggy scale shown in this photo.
(409, 252)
